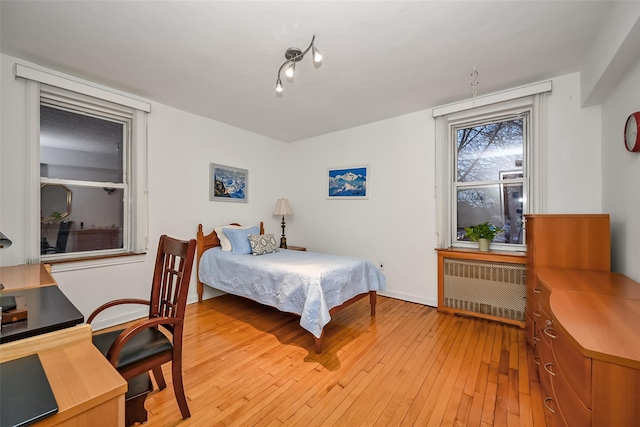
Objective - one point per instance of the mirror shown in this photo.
(55, 202)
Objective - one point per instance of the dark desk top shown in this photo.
(48, 310)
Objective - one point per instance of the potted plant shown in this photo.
(483, 234)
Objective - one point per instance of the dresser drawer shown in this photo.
(551, 410)
(532, 300)
(544, 326)
(575, 367)
(545, 362)
(529, 328)
(571, 407)
(543, 298)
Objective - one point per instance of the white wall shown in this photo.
(181, 146)
(621, 175)
(397, 224)
(572, 166)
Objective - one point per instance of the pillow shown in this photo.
(239, 238)
(225, 244)
(263, 244)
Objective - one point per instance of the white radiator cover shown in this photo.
(493, 288)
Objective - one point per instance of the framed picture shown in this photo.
(228, 184)
(348, 182)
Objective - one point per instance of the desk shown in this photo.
(25, 276)
(48, 310)
(88, 390)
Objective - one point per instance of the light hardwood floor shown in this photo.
(247, 364)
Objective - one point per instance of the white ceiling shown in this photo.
(381, 59)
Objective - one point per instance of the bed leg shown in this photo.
(318, 343)
(373, 298)
(200, 291)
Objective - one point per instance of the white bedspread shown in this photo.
(305, 283)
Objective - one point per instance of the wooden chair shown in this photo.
(142, 347)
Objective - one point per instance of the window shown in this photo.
(490, 182)
(489, 154)
(87, 174)
(84, 170)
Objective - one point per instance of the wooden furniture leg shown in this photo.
(373, 299)
(318, 343)
(157, 374)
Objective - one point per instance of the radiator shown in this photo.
(493, 288)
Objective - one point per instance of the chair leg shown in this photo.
(176, 373)
(157, 374)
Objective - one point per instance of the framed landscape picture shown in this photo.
(227, 184)
(348, 182)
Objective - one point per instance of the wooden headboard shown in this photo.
(208, 241)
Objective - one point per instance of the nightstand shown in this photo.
(296, 248)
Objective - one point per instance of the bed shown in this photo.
(314, 286)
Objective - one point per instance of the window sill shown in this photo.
(492, 255)
(72, 264)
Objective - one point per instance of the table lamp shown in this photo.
(5, 242)
(283, 208)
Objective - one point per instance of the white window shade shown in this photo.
(28, 73)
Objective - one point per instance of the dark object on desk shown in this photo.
(26, 393)
(7, 303)
(143, 347)
(50, 310)
(16, 314)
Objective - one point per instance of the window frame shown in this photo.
(53, 98)
(531, 97)
(489, 118)
(109, 100)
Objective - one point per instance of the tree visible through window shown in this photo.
(490, 181)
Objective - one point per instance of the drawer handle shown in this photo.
(548, 322)
(536, 360)
(546, 368)
(536, 290)
(544, 402)
(536, 313)
(536, 338)
(546, 331)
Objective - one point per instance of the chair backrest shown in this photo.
(63, 236)
(171, 278)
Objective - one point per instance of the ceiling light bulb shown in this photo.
(291, 70)
(279, 87)
(317, 56)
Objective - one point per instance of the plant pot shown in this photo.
(483, 244)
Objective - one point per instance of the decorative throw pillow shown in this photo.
(239, 238)
(225, 244)
(263, 244)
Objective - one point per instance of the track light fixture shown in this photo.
(293, 55)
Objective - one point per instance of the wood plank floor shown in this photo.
(249, 365)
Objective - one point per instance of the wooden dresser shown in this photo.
(562, 241)
(588, 353)
(581, 320)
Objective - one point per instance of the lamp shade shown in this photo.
(5, 242)
(283, 208)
